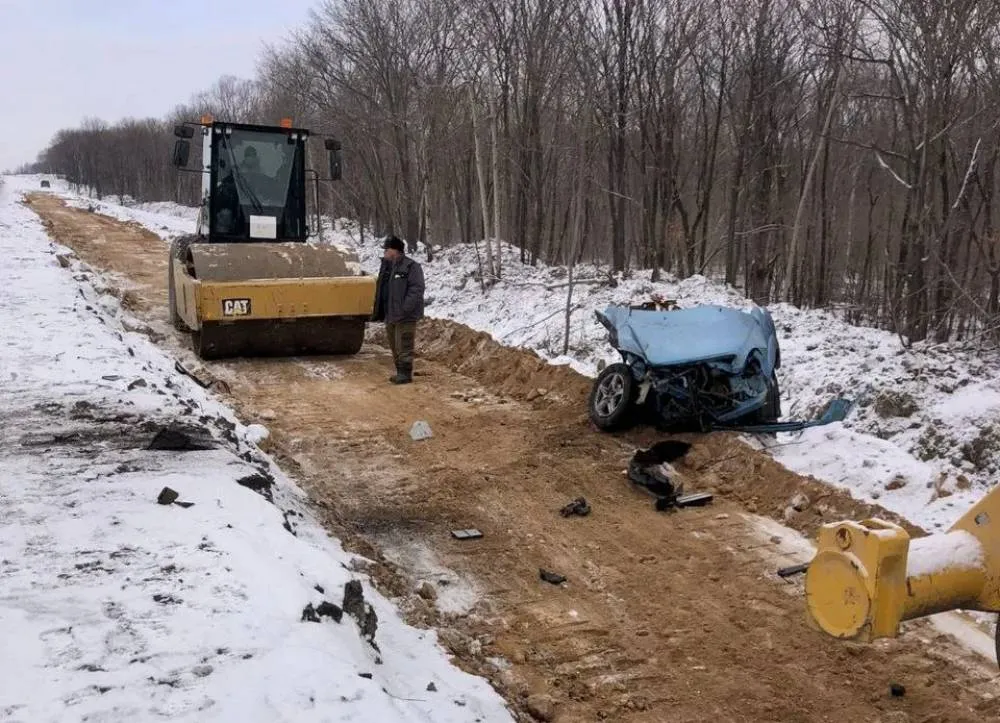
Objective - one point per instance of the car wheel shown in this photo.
(612, 398)
(770, 412)
(772, 406)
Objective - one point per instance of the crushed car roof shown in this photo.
(684, 336)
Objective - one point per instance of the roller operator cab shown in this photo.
(253, 179)
(251, 281)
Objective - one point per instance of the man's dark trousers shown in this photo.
(402, 338)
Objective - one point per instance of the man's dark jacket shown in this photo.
(399, 293)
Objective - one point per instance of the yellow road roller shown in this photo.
(255, 280)
(868, 577)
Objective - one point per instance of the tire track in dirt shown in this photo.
(666, 617)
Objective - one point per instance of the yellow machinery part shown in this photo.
(270, 337)
(271, 260)
(264, 299)
(284, 298)
(868, 577)
(201, 301)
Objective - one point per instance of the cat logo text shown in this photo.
(236, 307)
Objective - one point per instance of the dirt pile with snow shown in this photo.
(511, 370)
(722, 463)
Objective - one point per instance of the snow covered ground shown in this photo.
(923, 438)
(116, 608)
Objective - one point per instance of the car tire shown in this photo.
(771, 411)
(612, 398)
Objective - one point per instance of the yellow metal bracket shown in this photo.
(868, 577)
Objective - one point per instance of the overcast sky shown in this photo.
(65, 60)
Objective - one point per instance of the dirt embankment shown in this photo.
(722, 462)
(664, 617)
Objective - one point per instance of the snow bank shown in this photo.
(923, 439)
(116, 608)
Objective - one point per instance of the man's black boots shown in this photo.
(404, 374)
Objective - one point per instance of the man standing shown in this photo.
(399, 302)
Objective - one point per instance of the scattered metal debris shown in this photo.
(469, 534)
(676, 501)
(793, 570)
(551, 577)
(167, 496)
(578, 506)
(216, 384)
(651, 470)
(664, 504)
(695, 499)
(667, 451)
(420, 430)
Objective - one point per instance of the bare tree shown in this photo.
(840, 153)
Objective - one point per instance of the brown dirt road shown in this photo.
(665, 617)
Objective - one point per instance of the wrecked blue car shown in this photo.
(703, 368)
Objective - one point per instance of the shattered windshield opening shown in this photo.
(253, 177)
